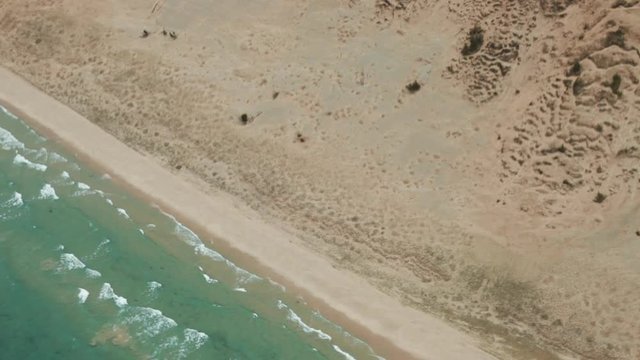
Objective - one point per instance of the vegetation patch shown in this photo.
(475, 39)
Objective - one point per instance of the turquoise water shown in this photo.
(88, 272)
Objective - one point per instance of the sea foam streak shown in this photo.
(9, 113)
(70, 262)
(14, 201)
(188, 236)
(209, 279)
(153, 286)
(93, 274)
(343, 353)
(123, 213)
(293, 317)
(106, 293)
(82, 295)
(173, 348)
(48, 192)
(56, 158)
(194, 338)
(150, 322)
(21, 160)
(8, 141)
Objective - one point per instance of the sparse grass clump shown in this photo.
(616, 81)
(615, 38)
(600, 198)
(575, 69)
(475, 39)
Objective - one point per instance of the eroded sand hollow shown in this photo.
(472, 198)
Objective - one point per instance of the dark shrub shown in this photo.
(475, 39)
(413, 87)
(600, 197)
(575, 70)
(615, 38)
(615, 84)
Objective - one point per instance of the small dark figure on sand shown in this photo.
(145, 34)
(173, 35)
(164, 32)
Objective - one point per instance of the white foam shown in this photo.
(9, 113)
(154, 285)
(93, 274)
(278, 285)
(15, 201)
(123, 212)
(84, 189)
(102, 244)
(141, 231)
(48, 192)
(70, 262)
(106, 293)
(243, 290)
(293, 317)
(109, 202)
(150, 321)
(203, 250)
(194, 338)
(188, 236)
(60, 247)
(82, 295)
(54, 157)
(151, 226)
(343, 353)
(8, 141)
(245, 277)
(21, 160)
(175, 348)
(185, 234)
(65, 175)
(39, 155)
(209, 279)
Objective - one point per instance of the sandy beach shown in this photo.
(446, 179)
(396, 331)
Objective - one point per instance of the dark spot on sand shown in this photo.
(413, 87)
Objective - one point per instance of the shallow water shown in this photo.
(89, 272)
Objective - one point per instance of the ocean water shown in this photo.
(90, 272)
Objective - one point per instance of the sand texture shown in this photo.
(499, 192)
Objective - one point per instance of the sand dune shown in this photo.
(501, 195)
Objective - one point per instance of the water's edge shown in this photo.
(394, 330)
(195, 241)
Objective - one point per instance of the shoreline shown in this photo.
(393, 330)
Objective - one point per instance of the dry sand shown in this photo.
(471, 199)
